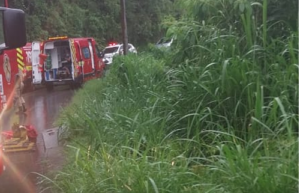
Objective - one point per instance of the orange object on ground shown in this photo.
(7, 134)
(20, 138)
(31, 133)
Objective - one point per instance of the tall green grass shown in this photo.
(218, 112)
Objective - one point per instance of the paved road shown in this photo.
(42, 109)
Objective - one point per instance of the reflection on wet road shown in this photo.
(42, 109)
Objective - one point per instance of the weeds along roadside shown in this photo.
(220, 116)
(241, 91)
(130, 143)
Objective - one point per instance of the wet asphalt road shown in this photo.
(42, 109)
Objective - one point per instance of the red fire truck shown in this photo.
(12, 35)
(12, 61)
(15, 61)
(63, 60)
(12, 64)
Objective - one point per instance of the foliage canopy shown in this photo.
(94, 18)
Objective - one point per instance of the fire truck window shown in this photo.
(86, 53)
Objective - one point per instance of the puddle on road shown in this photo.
(42, 109)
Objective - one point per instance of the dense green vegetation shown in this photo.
(217, 112)
(94, 18)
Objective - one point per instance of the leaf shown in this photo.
(242, 7)
(153, 185)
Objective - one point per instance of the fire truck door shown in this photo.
(92, 54)
(36, 72)
(81, 63)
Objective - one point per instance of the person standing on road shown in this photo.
(67, 64)
(19, 101)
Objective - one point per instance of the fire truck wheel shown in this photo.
(33, 88)
(30, 88)
(75, 85)
(49, 87)
(101, 73)
(78, 83)
(72, 86)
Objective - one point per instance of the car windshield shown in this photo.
(110, 50)
(164, 40)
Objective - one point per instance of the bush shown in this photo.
(217, 113)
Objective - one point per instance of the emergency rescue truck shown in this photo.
(63, 60)
(13, 35)
(15, 61)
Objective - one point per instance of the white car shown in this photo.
(164, 43)
(115, 49)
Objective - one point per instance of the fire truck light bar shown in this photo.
(57, 38)
(112, 44)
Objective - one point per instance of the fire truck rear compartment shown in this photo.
(56, 67)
